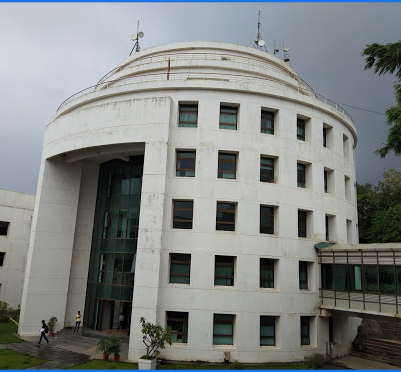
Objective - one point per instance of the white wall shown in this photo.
(142, 117)
(17, 209)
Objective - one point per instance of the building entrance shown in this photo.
(114, 243)
(109, 313)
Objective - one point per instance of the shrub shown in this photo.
(315, 361)
(115, 345)
(51, 323)
(154, 337)
(4, 318)
(109, 345)
(236, 365)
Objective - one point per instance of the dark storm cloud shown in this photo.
(50, 51)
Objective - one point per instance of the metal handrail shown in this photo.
(206, 56)
(203, 76)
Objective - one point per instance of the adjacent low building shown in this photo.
(16, 211)
(190, 187)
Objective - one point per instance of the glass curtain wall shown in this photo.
(114, 243)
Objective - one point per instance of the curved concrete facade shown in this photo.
(134, 110)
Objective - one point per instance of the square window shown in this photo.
(300, 129)
(185, 164)
(302, 233)
(305, 335)
(180, 268)
(188, 116)
(326, 222)
(224, 270)
(178, 322)
(228, 117)
(267, 122)
(267, 331)
(266, 169)
(347, 186)
(2, 255)
(266, 273)
(303, 275)
(227, 165)
(301, 175)
(346, 147)
(223, 329)
(328, 180)
(225, 216)
(182, 214)
(266, 219)
(327, 136)
(330, 224)
(4, 228)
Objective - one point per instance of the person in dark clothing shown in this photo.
(43, 332)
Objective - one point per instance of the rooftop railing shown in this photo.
(191, 75)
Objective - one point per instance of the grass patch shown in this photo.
(280, 366)
(7, 331)
(10, 359)
(105, 364)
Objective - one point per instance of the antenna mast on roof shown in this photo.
(259, 43)
(286, 53)
(135, 37)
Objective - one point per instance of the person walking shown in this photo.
(120, 322)
(77, 321)
(43, 331)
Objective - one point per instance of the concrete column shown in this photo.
(147, 271)
(82, 243)
(50, 248)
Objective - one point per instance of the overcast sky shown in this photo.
(50, 51)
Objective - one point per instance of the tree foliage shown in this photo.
(387, 59)
(386, 225)
(376, 205)
(154, 337)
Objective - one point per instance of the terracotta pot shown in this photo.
(51, 333)
(105, 357)
(116, 357)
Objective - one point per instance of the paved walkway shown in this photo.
(352, 362)
(57, 358)
(67, 349)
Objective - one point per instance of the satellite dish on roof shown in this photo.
(259, 43)
(135, 37)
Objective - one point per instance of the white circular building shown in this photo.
(189, 186)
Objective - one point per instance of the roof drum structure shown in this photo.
(189, 186)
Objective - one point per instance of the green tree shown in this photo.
(154, 337)
(389, 190)
(386, 226)
(368, 204)
(387, 59)
(373, 202)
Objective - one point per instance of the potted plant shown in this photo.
(115, 347)
(104, 346)
(155, 338)
(51, 323)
